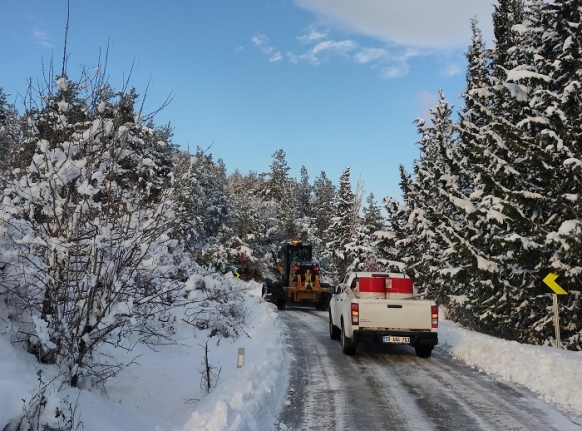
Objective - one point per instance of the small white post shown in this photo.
(240, 358)
(557, 321)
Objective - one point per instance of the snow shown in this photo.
(463, 204)
(551, 373)
(161, 390)
(569, 227)
(521, 73)
(573, 163)
(62, 84)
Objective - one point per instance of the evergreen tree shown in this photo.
(488, 158)
(280, 190)
(343, 227)
(277, 185)
(561, 137)
(243, 193)
(435, 219)
(324, 193)
(304, 195)
(503, 168)
(392, 243)
(372, 215)
(507, 13)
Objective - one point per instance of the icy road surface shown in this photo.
(389, 387)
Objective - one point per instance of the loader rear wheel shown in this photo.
(325, 296)
(279, 296)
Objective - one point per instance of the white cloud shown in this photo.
(312, 36)
(453, 69)
(338, 47)
(405, 30)
(276, 57)
(393, 63)
(440, 24)
(367, 55)
(389, 58)
(292, 57)
(41, 38)
(394, 71)
(322, 51)
(261, 41)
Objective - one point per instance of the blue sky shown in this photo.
(333, 83)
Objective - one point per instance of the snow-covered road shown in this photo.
(390, 387)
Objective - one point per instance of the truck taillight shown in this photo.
(355, 314)
(434, 316)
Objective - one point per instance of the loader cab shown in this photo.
(295, 252)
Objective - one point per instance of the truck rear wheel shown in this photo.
(348, 347)
(423, 351)
(334, 331)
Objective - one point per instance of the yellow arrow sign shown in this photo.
(550, 281)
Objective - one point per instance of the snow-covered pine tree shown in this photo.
(324, 197)
(372, 221)
(213, 202)
(392, 243)
(325, 194)
(360, 251)
(305, 207)
(188, 218)
(507, 13)
(343, 227)
(501, 155)
(488, 152)
(277, 184)
(280, 192)
(304, 195)
(372, 215)
(560, 57)
(243, 191)
(437, 220)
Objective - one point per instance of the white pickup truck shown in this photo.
(382, 306)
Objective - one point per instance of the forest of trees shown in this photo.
(494, 201)
(103, 220)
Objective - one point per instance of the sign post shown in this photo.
(557, 321)
(550, 281)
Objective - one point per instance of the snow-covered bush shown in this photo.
(88, 255)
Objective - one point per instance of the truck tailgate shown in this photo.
(395, 314)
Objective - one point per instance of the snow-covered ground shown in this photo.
(162, 390)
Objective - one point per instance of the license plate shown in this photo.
(393, 339)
